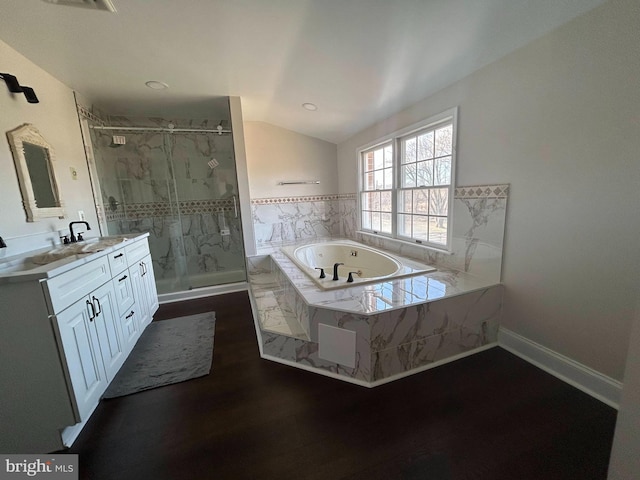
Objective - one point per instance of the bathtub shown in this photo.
(366, 264)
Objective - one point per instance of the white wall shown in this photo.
(625, 461)
(56, 119)
(276, 155)
(559, 120)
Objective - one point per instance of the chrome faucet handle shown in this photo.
(322, 275)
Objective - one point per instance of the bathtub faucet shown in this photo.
(335, 270)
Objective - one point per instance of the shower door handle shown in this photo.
(235, 207)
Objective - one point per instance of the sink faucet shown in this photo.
(72, 237)
(335, 270)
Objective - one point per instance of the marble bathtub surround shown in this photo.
(479, 214)
(401, 326)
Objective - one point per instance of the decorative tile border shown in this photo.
(475, 191)
(189, 207)
(86, 113)
(483, 191)
(310, 198)
(163, 209)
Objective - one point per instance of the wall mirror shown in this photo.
(34, 159)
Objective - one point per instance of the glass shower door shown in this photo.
(179, 184)
(207, 189)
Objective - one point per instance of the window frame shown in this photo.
(395, 139)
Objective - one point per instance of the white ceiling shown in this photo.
(359, 61)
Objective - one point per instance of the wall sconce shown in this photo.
(14, 87)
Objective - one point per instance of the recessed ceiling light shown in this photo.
(156, 85)
(312, 107)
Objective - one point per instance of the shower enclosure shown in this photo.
(176, 179)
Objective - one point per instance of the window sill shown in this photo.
(404, 242)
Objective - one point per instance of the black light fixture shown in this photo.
(14, 87)
(30, 95)
(12, 83)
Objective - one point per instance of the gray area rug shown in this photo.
(169, 351)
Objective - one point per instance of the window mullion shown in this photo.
(395, 187)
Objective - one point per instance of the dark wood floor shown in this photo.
(489, 416)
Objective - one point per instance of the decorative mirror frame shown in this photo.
(27, 133)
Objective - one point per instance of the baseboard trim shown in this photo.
(593, 383)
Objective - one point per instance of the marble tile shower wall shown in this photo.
(163, 184)
(479, 214)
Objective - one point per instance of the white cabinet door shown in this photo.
(82, 357)
(139, 292)
(107, 321)
(150, 283)
(144, 289)
(150, 291)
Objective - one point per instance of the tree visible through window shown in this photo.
(416, 169)
(377, 189)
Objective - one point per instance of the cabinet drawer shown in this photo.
(118, 261)
(137, 251)
(70, 286)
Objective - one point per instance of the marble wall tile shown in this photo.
(259, 264)
(348, 216)
(306, 353)
(395, 328)
(281, 346)
(468, 310)
(479, 215)
(348, 321)
(427, 350)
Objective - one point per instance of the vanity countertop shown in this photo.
(21, 268)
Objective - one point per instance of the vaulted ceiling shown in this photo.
(359, 61)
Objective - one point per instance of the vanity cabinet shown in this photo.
(72, 326)
(98, 331)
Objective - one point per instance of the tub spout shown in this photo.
(335, 270)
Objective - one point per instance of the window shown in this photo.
(406, 183)
(377, 189)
